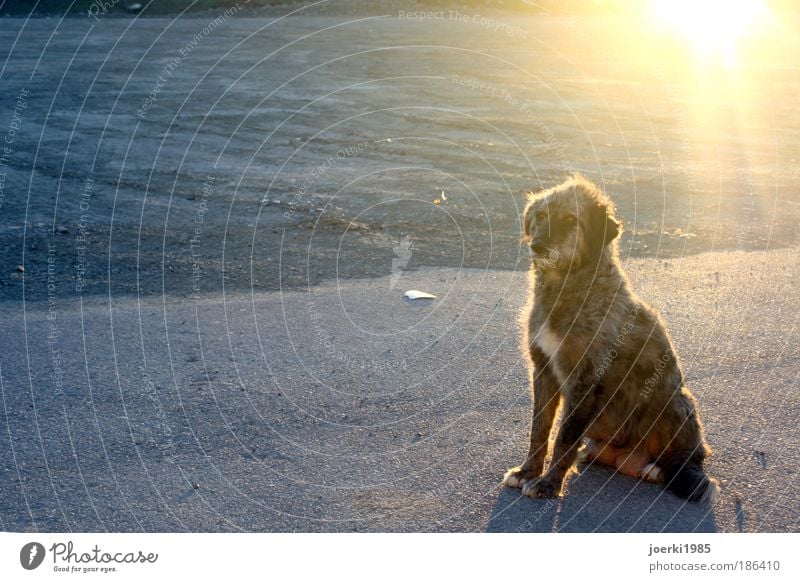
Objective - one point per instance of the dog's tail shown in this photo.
(685, 477)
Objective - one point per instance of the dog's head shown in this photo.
(569, 225)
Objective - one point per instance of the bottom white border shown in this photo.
(401, 556)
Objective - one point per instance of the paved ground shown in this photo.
(344, 407)
(202, 262)
(333, 137)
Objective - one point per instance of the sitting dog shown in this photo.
(603, 354)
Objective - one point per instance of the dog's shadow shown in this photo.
(600, 500)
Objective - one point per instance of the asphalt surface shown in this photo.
(206, 227)
(145, 150)
(344, 407)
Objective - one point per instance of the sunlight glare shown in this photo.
(713, 27)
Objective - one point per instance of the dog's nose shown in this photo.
(538, 248)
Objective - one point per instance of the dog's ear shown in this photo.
(602, 227)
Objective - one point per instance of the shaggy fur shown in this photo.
(603, 354)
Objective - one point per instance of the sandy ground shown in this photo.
(219, 219)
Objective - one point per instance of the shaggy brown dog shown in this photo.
(602, 353)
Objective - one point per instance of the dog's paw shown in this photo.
(542, 488)
(590, 451)
(584, 455)
(516, 477)
(652, 473)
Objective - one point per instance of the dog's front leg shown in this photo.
(580, 410)
(546, 396)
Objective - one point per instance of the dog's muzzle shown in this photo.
(538, 248)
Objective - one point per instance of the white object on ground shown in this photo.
(414, 294)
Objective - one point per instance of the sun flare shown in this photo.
(713, 27)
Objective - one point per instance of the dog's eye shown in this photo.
(569, 219)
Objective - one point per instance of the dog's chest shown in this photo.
(549, 342)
